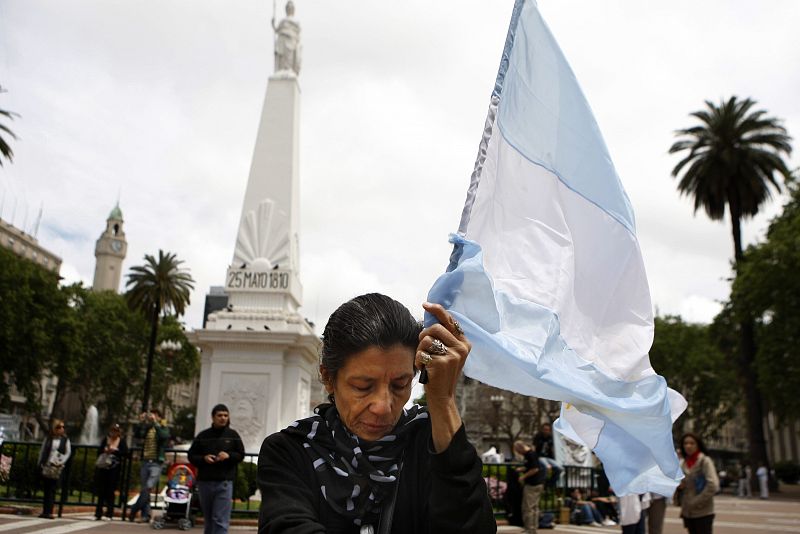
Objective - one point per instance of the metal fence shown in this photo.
(504, 487)
(20, 479)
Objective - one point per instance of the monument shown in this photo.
(259, 355)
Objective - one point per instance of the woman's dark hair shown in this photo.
(700, 445)
(371, 320)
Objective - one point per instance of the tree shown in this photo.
(155, 287)
(5, 149)
(37, 328)
(686, 355)
(767, 286)
(734, 155)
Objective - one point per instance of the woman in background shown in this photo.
(699, 486)
(106, 475)
(53, 456)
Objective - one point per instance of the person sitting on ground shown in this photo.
(607, 506)
(365, 462)
(584, 512)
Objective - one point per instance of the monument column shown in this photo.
(259, 355)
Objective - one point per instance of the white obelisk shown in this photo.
(259, 356)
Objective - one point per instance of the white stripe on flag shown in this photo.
(546, 275)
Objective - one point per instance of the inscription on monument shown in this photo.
(268, 281)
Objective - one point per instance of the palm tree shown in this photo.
(734, 155)
(5, 149)
(155, 287)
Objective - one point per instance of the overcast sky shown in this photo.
(159, 102)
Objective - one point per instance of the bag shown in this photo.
(105, 461)
(699, 484)
(52, 471)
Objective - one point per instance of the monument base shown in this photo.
(265, 378)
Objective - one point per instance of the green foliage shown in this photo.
(733, 156)
(81, 469)
(245, 485)
(23, 479)
(171, 366)
(767, 286)
(5, 149)
(687, 357)
(183, 423)
(116, 340)
(38, 329)
(154, 288)
(159, 285)
(787, 471)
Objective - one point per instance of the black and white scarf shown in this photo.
(355, 475)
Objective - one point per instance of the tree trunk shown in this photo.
(150, 353)
(748, 374)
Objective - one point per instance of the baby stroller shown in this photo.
(178, 497)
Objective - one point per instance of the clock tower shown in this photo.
(110, 251)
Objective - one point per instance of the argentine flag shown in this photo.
(546, 275)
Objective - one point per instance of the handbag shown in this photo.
(105, 461)
(52, 471)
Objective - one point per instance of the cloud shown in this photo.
(160, 102)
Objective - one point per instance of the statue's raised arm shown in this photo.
(287, 42)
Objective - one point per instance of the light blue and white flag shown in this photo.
(546, 275)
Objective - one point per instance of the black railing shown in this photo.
(20, 479)
(504, 487)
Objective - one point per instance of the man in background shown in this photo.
(215, 452)
(154, 433)
(532, 477)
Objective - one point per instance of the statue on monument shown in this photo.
(287, 42)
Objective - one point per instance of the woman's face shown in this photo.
(371, 389)
(689, 445)
(58, 429)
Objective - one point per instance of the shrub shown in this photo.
(245, 485)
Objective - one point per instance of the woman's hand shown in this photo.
(442, 351)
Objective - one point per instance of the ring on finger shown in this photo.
(425, 358)
(457, 327)
(437, 347)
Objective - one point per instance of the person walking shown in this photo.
(53, 455)
(533, 478)
(745, 477)
(699, 486)
(763, 481)
(216, 452)
(155, 434)
(112, 450)
(655, 514)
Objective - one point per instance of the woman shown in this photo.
(106, 474)
(363, 463)
(698, 488)
(53, 456)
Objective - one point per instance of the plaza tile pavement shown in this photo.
(778, 515)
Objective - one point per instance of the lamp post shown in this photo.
(497, 402)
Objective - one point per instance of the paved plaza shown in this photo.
(734, 516)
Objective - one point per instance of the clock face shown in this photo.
(116, 246)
